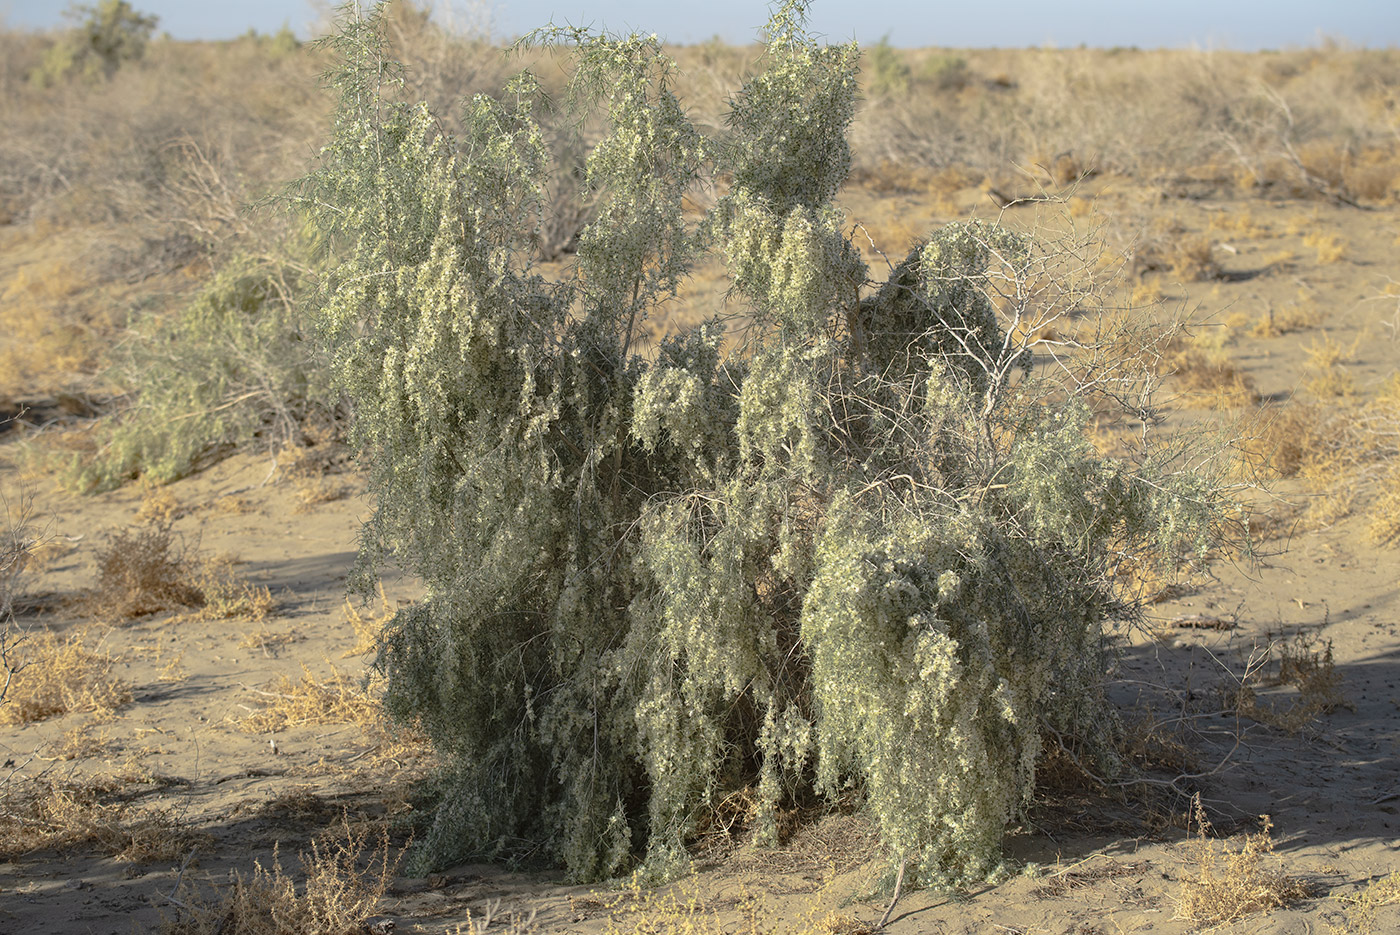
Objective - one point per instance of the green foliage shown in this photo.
(232, 369)
(109, 35)
(283, 42)
(278, 45)
(945, 72)
(890, 75)
(869, 550)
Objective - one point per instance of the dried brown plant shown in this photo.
(143, 571)
(1229, 883)
(43, 813)
(59, 676)
(341, 883)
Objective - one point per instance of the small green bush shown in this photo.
(889, 73)
(945, 72)
(868, 549)
(109, 35)
(280, 44)
(232, 370)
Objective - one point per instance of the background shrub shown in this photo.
(233, 369)
(143, 571)
(847, 538)
(888, 73)
(109, 35)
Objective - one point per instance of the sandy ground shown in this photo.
(1083, 863)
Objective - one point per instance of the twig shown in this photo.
(254, 773)
(898, 888)
(170, 897)
(364, 753)
(259, 691)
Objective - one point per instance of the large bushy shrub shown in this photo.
(863, 546)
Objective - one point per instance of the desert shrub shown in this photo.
(869, 549)
(150, 568)
(945, 72)
(234, 370)
(161, 150)
(282, 43)
(109, 35)
(888, 73)
(143, 571)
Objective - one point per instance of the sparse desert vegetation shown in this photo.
(984, 525)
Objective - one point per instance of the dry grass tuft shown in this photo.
(62, 676)
(342, 884)
(226, 595)
(1066, 880)
(1241, 224)
(337, 700)
(1362, 908)
(232, 506)
(159, 507)
(1182, 257)
(37, 314)
(313, 493)
(42, 813)
(513, 924)
(1383, 527)
(1286, 320)
(1154, 746)
(688, 908)
(1327, 377)
(1303, 664)
(1330, 248)
(1147, 581)
(1202, 369)
(17, 545)
(902, 178)
(1283, 439)
(1230, 884)
(80, 743)
(264, 639)
(368, 625)
(1345, 450)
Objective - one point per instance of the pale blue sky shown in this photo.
(1236, 24)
